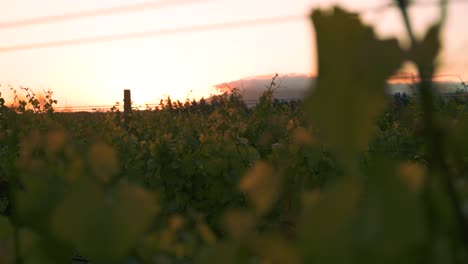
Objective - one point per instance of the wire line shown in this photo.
(161, 32)
(137, 7)
(157, 33)
(393, 4)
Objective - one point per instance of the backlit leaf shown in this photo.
(427, 49)
(353, 66)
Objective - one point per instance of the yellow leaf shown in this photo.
(412, 174)
(239, 224)
(302, 137)
(55, 141)
(309, 198)
(261, 183)
(206, 233)
(176, 222)
(103, 161)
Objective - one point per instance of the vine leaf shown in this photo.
(353, 66)
(425, 52)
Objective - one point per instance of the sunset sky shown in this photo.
(174, 65)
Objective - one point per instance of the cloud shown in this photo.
(289, 86)
(295, 86)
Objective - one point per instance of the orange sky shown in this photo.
(96, 74)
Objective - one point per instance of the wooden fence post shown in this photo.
(127, 105)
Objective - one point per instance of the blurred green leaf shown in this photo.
(103, 161)
(324, 234)
(40, 195)
(219, 253)
(6, 241)
(275, 250)
(390, 225)
(447, 245)
(426, 50)
(104, 226)
(38, 249)
(349, 94)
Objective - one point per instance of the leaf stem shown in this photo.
(434, 134)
